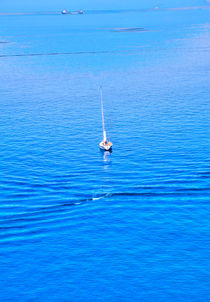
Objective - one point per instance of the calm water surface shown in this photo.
(80, 225)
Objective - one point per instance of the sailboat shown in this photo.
(105, 144)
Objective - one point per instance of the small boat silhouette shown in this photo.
(77, 12)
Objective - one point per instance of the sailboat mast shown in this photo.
(102, 113)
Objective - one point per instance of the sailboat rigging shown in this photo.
(105, 144)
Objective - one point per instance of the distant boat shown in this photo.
(77, 12)
(105, 144)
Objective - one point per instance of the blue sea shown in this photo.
(80, 225)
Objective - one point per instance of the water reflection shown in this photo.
(106, 156)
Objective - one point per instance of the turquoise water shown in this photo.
(80, 225)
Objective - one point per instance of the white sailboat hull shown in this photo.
(105, 147)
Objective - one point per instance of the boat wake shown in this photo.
(36, 222)
(31, 211)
